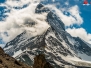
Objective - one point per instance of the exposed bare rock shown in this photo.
(40, 62)
(9, 62)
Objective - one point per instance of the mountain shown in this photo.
(9, 62)
(59, 47)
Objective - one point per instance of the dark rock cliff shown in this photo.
(40, 62)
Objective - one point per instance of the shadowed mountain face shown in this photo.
(83, 48)
(9, 62)
(59, 47)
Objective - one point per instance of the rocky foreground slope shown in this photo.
(9, 62)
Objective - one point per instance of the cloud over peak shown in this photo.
(69, 15)
(19, 20)
(80, 32)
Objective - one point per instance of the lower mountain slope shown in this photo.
(9, 62)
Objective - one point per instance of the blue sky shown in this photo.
(1, 1)
(81, 26)
(86, 14)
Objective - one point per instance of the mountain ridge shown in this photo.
(59, 47)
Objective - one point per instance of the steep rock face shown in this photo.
(40, 62)
(59, 47)
(9, 62)
(83, 48)
(52, 19)
(41, 9)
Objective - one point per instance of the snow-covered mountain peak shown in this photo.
(41, 9)
(34, 23)
(45, 33)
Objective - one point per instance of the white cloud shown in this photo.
(86, 4)
(18, 3)
(2, 45)
(67, 3)
(80, 32)
(53, 0)
(19, 20)
(75, 13)
(73, 17)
